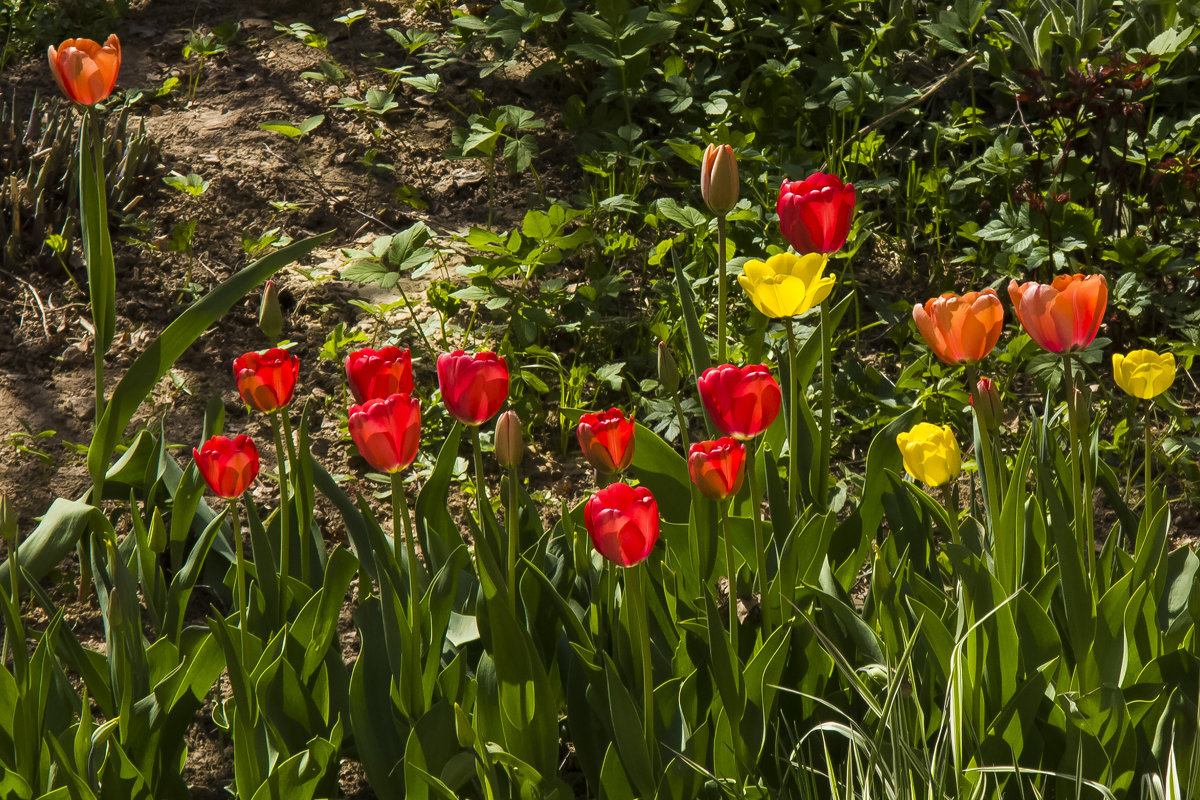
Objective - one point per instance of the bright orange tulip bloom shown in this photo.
(86, 72)
(961, 329)
(1064, 315)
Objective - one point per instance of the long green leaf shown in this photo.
(171, 344)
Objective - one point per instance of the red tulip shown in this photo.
(379, 373)
(623, 523)
(474, 387)
(814, 214)
(717, 468)
(607, 440)
(1063, 315)
(741, 402)
(229, 466)
(387, 431)
(85, 71)
(267, 380)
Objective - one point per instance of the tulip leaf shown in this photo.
(163, 352)
(54, 537)
(661, 469)
(697, 343)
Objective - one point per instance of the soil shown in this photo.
(46, 370)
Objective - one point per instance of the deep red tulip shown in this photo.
(379, 373)
(229, 466)
(623, 523)
(741, 402)
(267, 380)
(814, 214)
(474, 387)
(718, 467)
(86, 71)
(387, 431)
(607, 440)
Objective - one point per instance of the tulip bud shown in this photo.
(668, 372)
(270, 315)
(986, 400)
(719, 179)
(8, 520)
(510, 447)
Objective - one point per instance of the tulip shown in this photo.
(786, 285)
(623, 523)
(473, 386)
(986, 401)
(741, 402)
(814, 214)
(229, 466)
(270, 315)
(606, 440)
(668, 370)
(387, 431)
(717, 467)
(379, 373)
(719, 179)
(510, 447)
(961, 329)
(930, 453)
(1064, 315)
(267, 380)
(85, 71)
(1144, 373)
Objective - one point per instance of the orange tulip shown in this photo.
(961, 329)
(85, 71)
(1063, 315)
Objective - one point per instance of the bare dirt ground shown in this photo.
(46, 403)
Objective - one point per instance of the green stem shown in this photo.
(722, 298)
(987, 464)
(1084, 535)
(93, 140)
(303, 525)
(514, 526)
(400, 516)
(240, 568)
(826, 410)
(635, 585)
(793, 431)
(285, 530)
(951, 510)
(1146, 502)
(683, 434)
(731, 572)
(760, 545)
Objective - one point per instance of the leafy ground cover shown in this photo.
(524, 177)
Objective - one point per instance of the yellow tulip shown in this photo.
(930, 453)
(786, 285)
(1144, 373)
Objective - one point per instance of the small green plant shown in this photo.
(510, 126)
(201, 47)
(181, 236)
(294, 131)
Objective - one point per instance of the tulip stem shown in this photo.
(1080, 496)
(511, 519)
(1149, 418)
(731, 571)
(722, 291)
(240, 567)
(400, 516)
(951, 510)
(683, 432)
(303, 521)
(285, 530)
(760, 545)
(640, 623)
(823, 465)
(793, 431)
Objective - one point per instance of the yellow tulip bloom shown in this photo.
(930, 453)
(1144, 373)
(786, 285)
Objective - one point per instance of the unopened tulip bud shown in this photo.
(719, 179)
(510, 446)
(986, 400)
(668, 372)
(8, 520)
(270, 315)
